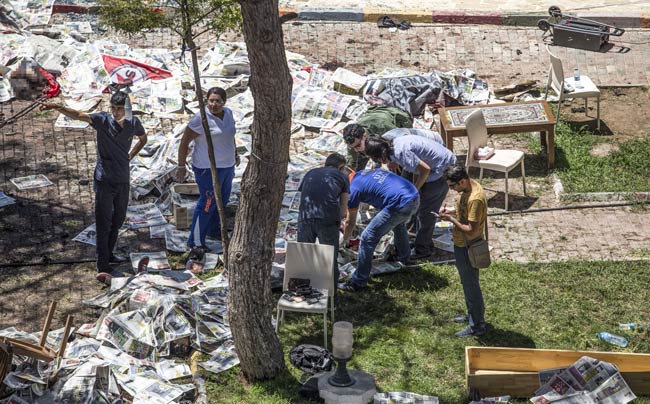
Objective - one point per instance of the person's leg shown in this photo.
(205, 207)
(469, 278)
(120, 204)
(400, 233)
(306, 231)
(225, 175)
(103, 214)
(328, 233)
(432, 195)
(376, 229)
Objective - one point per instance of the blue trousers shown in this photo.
(205, 221)
(469, 278)
(382, 223)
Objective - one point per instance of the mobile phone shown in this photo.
(435, 214)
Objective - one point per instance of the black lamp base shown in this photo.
(341, 377)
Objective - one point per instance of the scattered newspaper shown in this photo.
(403, 398)
(31, 182)
(146, 215)
(6, 200)
(222, 358)
(157, 260)
(587, 381)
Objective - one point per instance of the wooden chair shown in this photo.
(11, 346)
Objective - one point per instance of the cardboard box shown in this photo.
(513, 371)
(183, 213)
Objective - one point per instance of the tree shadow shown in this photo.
(505, 338)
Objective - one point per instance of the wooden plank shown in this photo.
(513, 371)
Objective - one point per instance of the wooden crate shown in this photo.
(513, 371)
(182, 215)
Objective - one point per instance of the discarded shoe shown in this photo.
(142, 264)
(404, 25)
(104, 278)
(386, 22)
(469, 332)
(350, 287)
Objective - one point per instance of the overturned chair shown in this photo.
(11, 346)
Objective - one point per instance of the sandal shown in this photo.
(404, 25)
(104, 278)
(142, 264)
(386, 22)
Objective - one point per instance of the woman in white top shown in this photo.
(222, 132)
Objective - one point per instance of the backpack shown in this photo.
(311, 359)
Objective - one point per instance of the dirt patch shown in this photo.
(604, 149)
(619, 114)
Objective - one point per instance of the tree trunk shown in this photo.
(252, 245)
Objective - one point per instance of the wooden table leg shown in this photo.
(542, 138)
(449, 140)
(550, 150)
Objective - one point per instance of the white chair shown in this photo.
(316, 263)
(556, 81)
(502, 160)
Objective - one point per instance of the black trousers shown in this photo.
(111, 201)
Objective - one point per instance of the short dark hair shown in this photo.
(118, 98)
(353, 131)
(335, 160)
(218, 91)
(378, 149)
(455, 173)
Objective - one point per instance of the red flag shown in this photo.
(123, 69)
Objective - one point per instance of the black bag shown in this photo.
(298, 283)
(311, 359)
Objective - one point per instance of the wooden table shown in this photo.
(514, 117)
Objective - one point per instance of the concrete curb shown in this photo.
(562, 196)
(625, 20)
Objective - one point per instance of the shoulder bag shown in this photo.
(479, 250)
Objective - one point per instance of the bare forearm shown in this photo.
(142, 141)
(350, 222)
(73, 113)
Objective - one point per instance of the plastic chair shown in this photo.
(556, 81)
(316, 263)
(502, 160)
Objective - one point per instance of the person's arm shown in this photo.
(465, 228)
(344, 204)
(348, 225)
(188, 136)
(422, 170)
(237, 159)
(142, 141)
(69, 112)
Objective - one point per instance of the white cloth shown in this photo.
(223, 140)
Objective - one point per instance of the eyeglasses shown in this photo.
(357, 146)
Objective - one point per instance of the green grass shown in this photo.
(404, 336)
(624, 170)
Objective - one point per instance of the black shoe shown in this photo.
(469, 332)
(117, 259)
(350, 287)
(419, 255)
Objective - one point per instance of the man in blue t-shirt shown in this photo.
(427, 159)
(324, 195)
(397, 200)
(112, 183)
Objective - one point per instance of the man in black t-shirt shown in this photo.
(324, 195)
(114, 136)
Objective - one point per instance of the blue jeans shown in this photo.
(432, 195)
(205, 221)
(471, 288)
(381, 224)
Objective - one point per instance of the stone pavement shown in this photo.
(41, 227)
(625, 14)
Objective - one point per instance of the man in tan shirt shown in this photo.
(469, 223)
